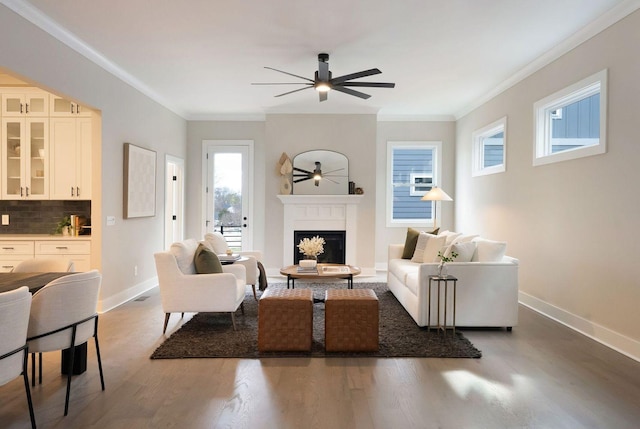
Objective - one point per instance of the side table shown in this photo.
(446, 280)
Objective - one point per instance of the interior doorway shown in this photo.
(173, 200)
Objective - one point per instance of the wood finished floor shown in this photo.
(541, 375)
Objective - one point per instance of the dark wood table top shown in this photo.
(34, 281)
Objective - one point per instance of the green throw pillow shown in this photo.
(206, 261)
(411, 241)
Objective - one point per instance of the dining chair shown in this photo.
(63, 316)
(14, 320)
(44, 265)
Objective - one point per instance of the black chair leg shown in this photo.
(166, 322)
(95, 337)
(33, 369)
(39, 368)
(26, 386)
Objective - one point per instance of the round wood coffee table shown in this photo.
(323, 271)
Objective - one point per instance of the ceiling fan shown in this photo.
(323, 82)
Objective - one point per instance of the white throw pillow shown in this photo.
(465, 251)
(465, 238)
(217, 242)
(450, 236)
(488, 250)
(435, 244)
(418, 254)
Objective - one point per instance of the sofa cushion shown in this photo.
(217, 242)
(435, 244)
(489, 250)
(423, 239)
(184, 251)
(412, 282)
(410, 243)
(464, 250)
(464, 238)
(206, 261)
(401, 268)
(450, 236)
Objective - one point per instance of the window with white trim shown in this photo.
(413, 167)
(489, 148)
(571, 123)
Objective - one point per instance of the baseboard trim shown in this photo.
(614, 340)
(126, 295)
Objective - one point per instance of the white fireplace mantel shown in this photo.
(320, 212)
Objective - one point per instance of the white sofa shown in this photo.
(486, 296)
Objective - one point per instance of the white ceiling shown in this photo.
(199, 57)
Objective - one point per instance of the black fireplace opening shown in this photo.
(334, 248)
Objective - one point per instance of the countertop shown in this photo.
(43, 237)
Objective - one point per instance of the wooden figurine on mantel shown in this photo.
(285, 168)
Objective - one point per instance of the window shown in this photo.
(489, 148)
(412, 169)
(571, 123)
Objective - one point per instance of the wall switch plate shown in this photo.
(5, 219)
(111, 220)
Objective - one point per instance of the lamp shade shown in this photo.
(436, 194)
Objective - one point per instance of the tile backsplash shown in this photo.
(39, 216)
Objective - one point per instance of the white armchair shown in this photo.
(183, 290)
(218, 244)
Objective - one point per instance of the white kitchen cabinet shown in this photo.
(24, 103)
(70, 159)
(24, 158)
(75, 250)
(14, 252)
(61, 107)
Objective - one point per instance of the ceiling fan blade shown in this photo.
(323, 71)
(295, 90)
(351, 92)
(333, 171)
(280, 83)
(357, 75)
(290, 74)
(370, 84)
(323, 96)
(330, 180)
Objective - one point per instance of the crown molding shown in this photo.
(382, 117)
(595, 27)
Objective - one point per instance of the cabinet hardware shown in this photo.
(26, 108)
(8, 248)
(21, 191)
(62, 247)
(72, 191)
(27, 193)
(77, 191)
(21, 108)
(6, 267)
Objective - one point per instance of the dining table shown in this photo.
(35, 282)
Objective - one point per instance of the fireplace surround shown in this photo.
(320, 213)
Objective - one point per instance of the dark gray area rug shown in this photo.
(211, 335)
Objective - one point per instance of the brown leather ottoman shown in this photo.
(351, 320)
(285, 320)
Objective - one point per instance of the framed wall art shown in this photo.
(139, 182)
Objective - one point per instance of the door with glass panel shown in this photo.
(228, 187)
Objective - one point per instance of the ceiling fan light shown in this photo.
(322, 87)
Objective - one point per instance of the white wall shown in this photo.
(127, 116)
(573, 225)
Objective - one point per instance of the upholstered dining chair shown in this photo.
(63, 316)
(14, 320)
(219, 245)
(44, 265)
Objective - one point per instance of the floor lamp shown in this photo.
(436, 194)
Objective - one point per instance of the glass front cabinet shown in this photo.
(24, 162)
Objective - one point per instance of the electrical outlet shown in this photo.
(5, 219)
(135, 270)
(111, 220)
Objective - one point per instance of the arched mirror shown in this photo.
(320, 172)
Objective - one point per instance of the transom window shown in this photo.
(571, 123)
(412, 169)
(489, 148)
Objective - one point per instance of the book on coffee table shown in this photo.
(309, 270)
